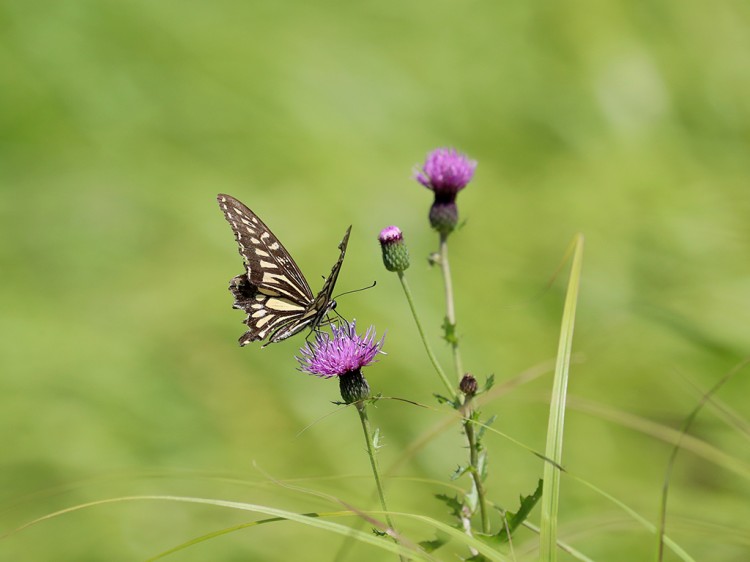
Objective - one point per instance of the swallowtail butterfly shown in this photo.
(272, 291)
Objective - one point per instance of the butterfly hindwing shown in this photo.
(266, 311)
(273, 292)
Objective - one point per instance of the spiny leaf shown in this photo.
(449, 332)
(482, 464)
(443, 400)
(483, 428)
(459, 472)
(513, 520)
(489, 383)
(431, 546)
(453, 503)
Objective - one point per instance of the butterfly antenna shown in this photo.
(356, 290)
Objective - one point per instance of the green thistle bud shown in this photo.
(395, 252)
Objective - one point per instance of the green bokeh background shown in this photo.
(119, 123)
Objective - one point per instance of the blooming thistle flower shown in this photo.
(395, 252)
(342, 355)
(445, 172)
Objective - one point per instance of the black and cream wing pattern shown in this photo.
(273, 292)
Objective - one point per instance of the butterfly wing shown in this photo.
(272, 291)
(321, 305)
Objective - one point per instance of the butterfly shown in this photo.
(273, 292)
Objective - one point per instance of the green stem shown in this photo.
(476, 473)
(450, 309)
(430, 354)
(362, 410)
(450, 315)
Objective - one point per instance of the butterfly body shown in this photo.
(273, 292)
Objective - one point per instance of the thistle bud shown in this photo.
(468, 385)
(395, 252)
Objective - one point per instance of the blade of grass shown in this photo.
(666, 434)
(313, 520)
(553, 450)
(676, 449)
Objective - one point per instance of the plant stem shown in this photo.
(450, 315)
(476, 472)
(362, 410)
(450, 309)
(430, 354)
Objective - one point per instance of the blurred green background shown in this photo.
(119, 123)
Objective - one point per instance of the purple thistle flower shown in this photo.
(446, 172)
(335, 356)
(342, 355)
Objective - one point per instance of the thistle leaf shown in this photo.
(449, 332)
(459, 472)
(513, 520)
(453, 503)
(489, 383)
(439, 540)
(483, 428)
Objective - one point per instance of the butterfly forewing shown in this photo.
(324, 296)
(268, 263)
(321, 305)
(272, 291)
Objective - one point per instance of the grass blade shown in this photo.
(553, 450)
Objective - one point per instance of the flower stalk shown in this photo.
(450, 308)
(446, 172)
(362, 411)
(396, 259)
(438, 369)
(343, 354)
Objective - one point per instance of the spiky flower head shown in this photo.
(342, 355)
(395, 252)
(468, 385)
(446, 172)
